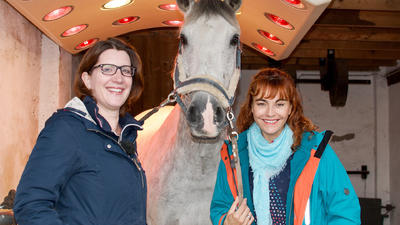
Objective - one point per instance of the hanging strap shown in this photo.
(302, 189)
(230, 171)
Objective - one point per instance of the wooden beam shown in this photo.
(254, 60)
(347, 54)
(393, 77)
(353, 33)
(308, 67)
(313, 64)
(359, 18)
(350, 62)
(389, 5)
(350, 44)
(350, 67)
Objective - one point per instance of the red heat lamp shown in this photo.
(263, 49)
(57, 13)
(126, 20)
(168, 7)
(86, 43)
(270, 36)
(173, 22)
(295, 3)
(279, 21)
(74, 30)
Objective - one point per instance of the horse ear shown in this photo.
(235, 4)
(183, 5)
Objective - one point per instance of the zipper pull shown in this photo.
(140, 170)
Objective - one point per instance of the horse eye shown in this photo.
(183, 39)
(234, 40)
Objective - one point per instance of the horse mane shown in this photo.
(213, 7)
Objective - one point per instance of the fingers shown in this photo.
(249, 219)
(242, 207)
(243, 211)
(233, 206)
(239, 215)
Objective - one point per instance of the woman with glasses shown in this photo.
(84, 168)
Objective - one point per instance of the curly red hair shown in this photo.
(276, 82)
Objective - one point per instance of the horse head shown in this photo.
(208, 63)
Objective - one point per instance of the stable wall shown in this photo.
(394, 130)
(35, 80)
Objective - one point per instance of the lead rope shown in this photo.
(170, 99)
(233, 137)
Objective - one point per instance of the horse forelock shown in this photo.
(212, 8)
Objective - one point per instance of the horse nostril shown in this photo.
(219, 115)
(193, 115)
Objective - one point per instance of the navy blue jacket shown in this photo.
(79, 174)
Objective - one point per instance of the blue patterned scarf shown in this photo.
(266, 160)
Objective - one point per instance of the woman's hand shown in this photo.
(239, 215)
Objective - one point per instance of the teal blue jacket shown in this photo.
(333, 200)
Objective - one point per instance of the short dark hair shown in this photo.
(91, 57)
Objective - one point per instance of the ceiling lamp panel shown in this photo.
(288, 23)
(102, 23)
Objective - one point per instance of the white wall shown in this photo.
(394, 118)
(20, 49)
(35, 80)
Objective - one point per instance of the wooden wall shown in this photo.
(157, 49)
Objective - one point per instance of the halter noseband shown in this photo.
(206, 83)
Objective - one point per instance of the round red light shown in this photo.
(86, 43)
(277, 20)
(173, 22)
(168, 7)
(57, 13)
(295, 3)
(270, 37)
(263, 49)
(126, 20)
(74, 30)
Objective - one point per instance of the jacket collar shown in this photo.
(88, 110)
(76, 106)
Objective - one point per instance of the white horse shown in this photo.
(181, 155)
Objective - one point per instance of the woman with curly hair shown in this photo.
(290, 174)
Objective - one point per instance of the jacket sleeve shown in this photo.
(222, 198)
(340, 199)
(51, 163)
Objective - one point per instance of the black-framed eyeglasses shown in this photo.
(111, 69)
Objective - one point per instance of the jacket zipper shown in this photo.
(132, 159)
(290, 211)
